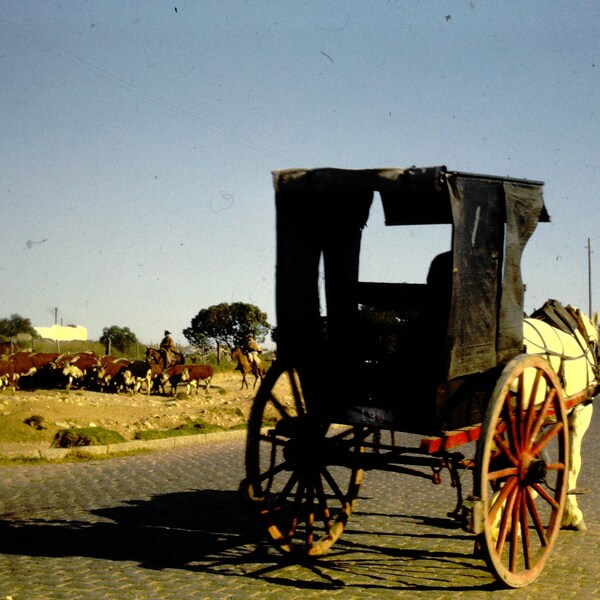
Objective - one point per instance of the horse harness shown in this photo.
(568, 320)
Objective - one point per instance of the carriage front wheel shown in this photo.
(521, 470)
(300, 474)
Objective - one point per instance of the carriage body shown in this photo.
(391, 342)
(360, 361)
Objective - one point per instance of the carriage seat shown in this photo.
(392, 296)
(421, 316)
(387, 321)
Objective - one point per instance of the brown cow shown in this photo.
(157, 371)
(31, 369)
(7, 347)
(7, 374)
(25, 364)
(108, 371)
(132, 376)
(174, 376)
(198, 373)
(81, 368)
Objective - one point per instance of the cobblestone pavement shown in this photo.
(169, 525)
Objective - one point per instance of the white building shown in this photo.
(63, 333)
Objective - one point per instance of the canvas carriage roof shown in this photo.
(324, 210)
(415, 195)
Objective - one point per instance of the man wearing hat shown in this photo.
(253, 349)
(167, 346)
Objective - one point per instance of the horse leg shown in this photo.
(244, 381)
(579, 421)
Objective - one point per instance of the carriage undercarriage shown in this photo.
(304, 476)
(501, 416)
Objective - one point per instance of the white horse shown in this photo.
(574, 358)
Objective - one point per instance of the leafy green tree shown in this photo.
(16, 324)
(228, 324)
(120, 337)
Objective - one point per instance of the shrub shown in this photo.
(86, 436)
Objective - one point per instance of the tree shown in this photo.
(120, 337)
(16, 324)
(228, 324)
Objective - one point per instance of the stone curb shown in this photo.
(132, 446)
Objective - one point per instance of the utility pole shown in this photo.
(590, 276)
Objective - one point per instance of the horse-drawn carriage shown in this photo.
(446, 360)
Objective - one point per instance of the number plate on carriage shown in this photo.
(370, 415)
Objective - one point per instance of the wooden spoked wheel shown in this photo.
(521, 473)
(299, 472)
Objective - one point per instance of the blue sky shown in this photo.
(138, 140)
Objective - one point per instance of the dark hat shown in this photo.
(167, 332)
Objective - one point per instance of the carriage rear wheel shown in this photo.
(300, 475)
(521, 470)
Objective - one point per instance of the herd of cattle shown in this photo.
(88, 370)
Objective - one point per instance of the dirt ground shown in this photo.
(225, 405)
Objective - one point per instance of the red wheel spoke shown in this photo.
(511, 422)
(281, 408)
(310, 515)
(556, 467)
(273, 439)
(285, 492)
(551, 432)
(520, 410)
(514, 532)
(503, 447)
(299, 499)
(531, 407)
(322, 499)
(524, 522)
(546, 496)
(502, 473)
(270, 474)
(507, 488)
(535, 517)
(541, 415)
(506, 518)
(333, 485)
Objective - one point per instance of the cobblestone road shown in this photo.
(168, 525)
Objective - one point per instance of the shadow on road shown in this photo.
(207, 531)
(168, 531)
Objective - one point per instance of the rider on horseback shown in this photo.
(167, 348)
(252, 351)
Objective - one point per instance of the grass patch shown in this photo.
(86, 436)
(192, 428)
(72, 457)
(238, 427)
